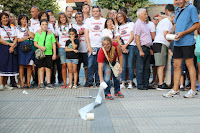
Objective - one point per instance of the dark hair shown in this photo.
(40, 15)
(49, 11)
(85, 5)
(170, 7)
(43, 20)
(79, 13)
(106, 26)
(22, 16)
(3, 13)
(123, 9)
(123, 15)
(67, 7)
(149, 18)
(73, 30)
(97, 7)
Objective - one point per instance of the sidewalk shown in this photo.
(56, 111)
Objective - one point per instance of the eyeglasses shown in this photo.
(23, 14)
(155, 18)
(60, 13)
(48, 10)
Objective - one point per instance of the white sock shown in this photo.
(181, 86)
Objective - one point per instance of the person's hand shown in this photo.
(178, 36)
(11, 49)
(101, 81)
(123, 47)
(170, 52)
(151, 51)
(113, 27)
(49, 32)
(11, 44)
(76, 51)
(43, 48)
(81, 32)
(120, 70)
(59, 45)
(125, 51)
(90, 50)
(54, 57)
(72, 38)
(142, 54)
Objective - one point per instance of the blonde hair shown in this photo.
(111, 53)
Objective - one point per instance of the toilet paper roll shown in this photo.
(170, 36)
(90, 116)
(103, 85)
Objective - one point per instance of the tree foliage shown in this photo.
(18, 7)
(131, 5)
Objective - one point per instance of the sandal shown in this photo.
(69, 87)
(63, 87)
(74, 87)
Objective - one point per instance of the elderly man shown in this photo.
(69, 12)
(186, 22)
(143, 41)
(35, 23)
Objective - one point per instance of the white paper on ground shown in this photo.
(83, 111)
(25, 92)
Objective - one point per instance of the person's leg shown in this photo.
(59, 68)
(21, 74)
(70, 72)
(53, 78)
(123, 74)
(5, 80)
(168, 70)
(139, 70)
(107, 74)
(160, 71)
(199, 73)
(96, 71)
(146, 69)
(86, 74)
(177, 73)
(48, 75)
(90, 72)
(192, 71)
(75, 72)
(64, 73)
(130, 63)
(41, 75)
(29, 71)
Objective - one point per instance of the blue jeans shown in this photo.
(106, 76)
(143, 68)
(128, 59)
(92, 68)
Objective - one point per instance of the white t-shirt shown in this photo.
(83, 48)
(63, 35)
(163, 25)
(125, 32)
(23, 33)
(11, 32)
(95, 28)
(151, 26)
(35, 24)
(107, 32)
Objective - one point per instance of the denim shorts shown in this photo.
(74, 61)
(62, 54)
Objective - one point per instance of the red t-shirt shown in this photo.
(101, 56)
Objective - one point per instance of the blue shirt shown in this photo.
(187, 19)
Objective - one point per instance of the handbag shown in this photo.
(27, 47)
(39, 54)
(15, 52)
(115, 68)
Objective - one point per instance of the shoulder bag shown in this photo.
(39, 54)
(114, 68)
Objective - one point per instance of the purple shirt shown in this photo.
(141, 29)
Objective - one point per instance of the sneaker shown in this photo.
(130, 86)
(6, 87)
(41, 86)
(88, 85)
(163, 87)
(49, 86)
(74, 87)
(122, 86)
(119, 94)
(172, 93)
(97, 84)
(109, 97)
(1, 87)
(190, 94)
(198, 88)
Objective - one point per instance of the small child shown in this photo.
(47, 43)
(71, 49)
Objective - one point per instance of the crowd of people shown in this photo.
(99, 44)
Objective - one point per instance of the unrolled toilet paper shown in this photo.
(170, 36)
(90, 116)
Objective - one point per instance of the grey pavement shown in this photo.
(56, 111)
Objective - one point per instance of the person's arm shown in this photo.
(129, 41)
(43, 48)
(57, 42)
(69, 50)
(54, 51)
(173, 29)
(100, 70)
(88, 41)
(153, 34)
(74, 46)
(137, 40)
(191, 29)
(119, 52)
(196, 33)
